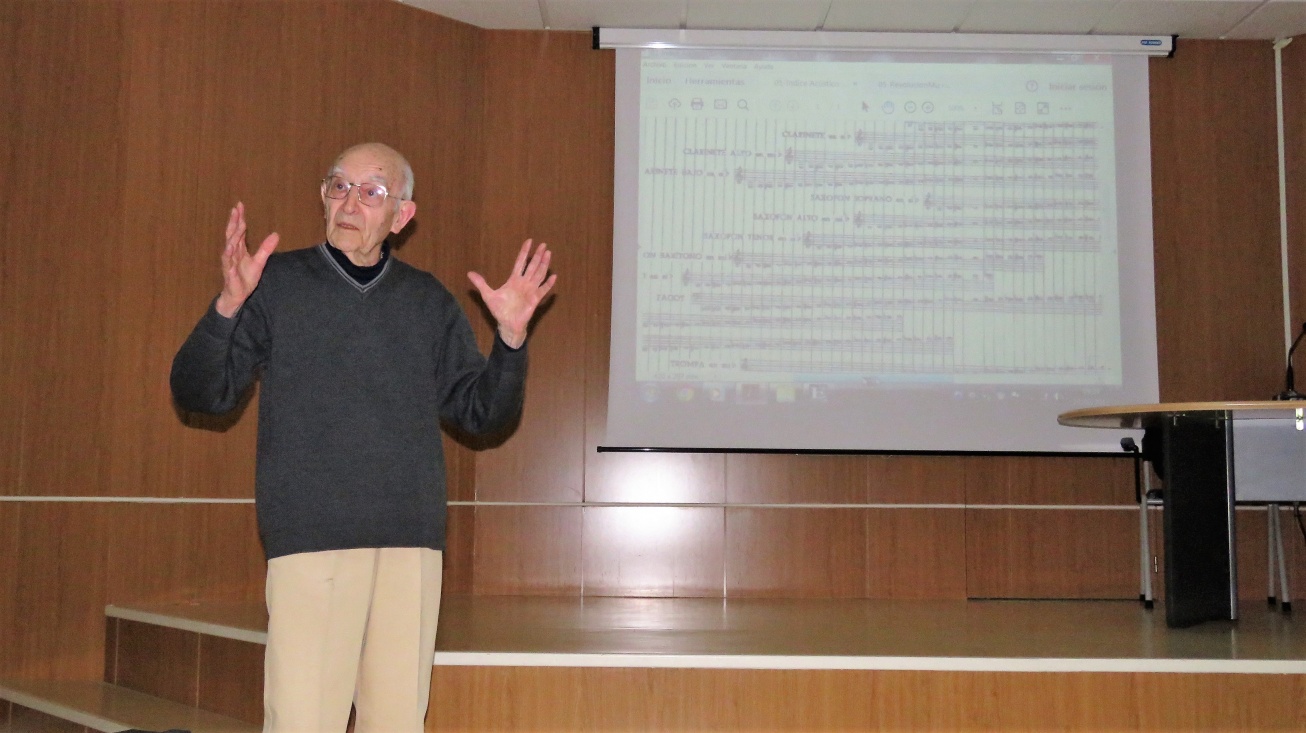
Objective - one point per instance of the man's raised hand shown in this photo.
(513, 303)
(241, 270)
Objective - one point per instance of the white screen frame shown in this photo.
(933, 426)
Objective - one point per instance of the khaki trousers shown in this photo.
(351, 626)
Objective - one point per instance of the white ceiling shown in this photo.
(1234, 19)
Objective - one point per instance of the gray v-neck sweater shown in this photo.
(354, 381)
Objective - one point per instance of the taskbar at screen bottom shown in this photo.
(761, 393)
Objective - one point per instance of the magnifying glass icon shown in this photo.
(743, 104)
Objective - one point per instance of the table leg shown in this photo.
(1198, 519)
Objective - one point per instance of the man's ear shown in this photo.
(407, 209)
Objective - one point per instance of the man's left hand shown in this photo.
(513, 303)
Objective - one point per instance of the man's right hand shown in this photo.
(241, 270)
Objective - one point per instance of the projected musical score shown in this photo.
(859, 246)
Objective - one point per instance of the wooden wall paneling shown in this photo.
(916, 554)
(11, 631)
(603, 699)
(795, 553)
(271, 93)
(53, 610)
(459, 469)
(459, 551)
(510, 75)
(13, 371)
(1252, 533)
(62, 165)
(502, 698)
(69, 559)
(443, 139)
(1220, 702)
(159, 661)
(230, 678)
(1215, 217)
(1156, 542)
(26, 720)
(174, 110)
(150, 552)
(182, 552)
(548, 126)
(1047, 553)
(916, 479)
(442, 136)
(686, 478)
(1051, 553)
(170, 111)
(1294, 547)
(527, 550)
(229, 560)
(1294, 111)
(796, 479)
(1253, 560)
(110, 649)
(654, 551)
(1049, 480)
(183, 172)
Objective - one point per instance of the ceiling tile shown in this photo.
(1274, 19)
(1035, 16)
(519, 14)
(802, 15)
(896, 15)
(585, 14)
(1187, 18)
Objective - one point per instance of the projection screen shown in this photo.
(883, 251)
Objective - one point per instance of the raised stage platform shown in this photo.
(995, 636)
(1006, 636)
(625, 664)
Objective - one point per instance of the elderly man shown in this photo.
(360, 357)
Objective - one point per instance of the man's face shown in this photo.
(356, 229)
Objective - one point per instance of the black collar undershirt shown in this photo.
(361, 275)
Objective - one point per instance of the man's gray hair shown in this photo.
(407, 193)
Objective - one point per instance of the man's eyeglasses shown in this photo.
(369, 194)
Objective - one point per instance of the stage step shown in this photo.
(100, 706)
(239, 621)
(699, 633)
(207, 655)
(769, 664)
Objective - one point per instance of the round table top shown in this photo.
(1142, 416)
